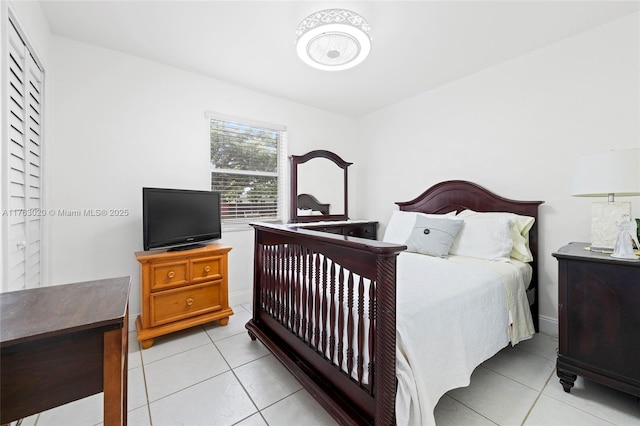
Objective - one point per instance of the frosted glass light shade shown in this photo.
(614, 172)
(333, 39)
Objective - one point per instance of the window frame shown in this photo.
(281, 169)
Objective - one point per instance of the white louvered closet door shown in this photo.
(23, 215)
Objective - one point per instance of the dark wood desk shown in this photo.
(62, 343)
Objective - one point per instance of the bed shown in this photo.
(340, 313)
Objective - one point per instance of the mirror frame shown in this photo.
(297, 160)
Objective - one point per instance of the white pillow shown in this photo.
(519, 232)
(401, 224)
(308, 212)
(484, 237)
(433, 236)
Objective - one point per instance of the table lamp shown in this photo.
(608, 174)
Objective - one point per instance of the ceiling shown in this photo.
(417, 45)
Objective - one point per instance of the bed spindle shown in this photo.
(372, 335)
(316, 302)
(295, 302)
(332, 313)
(287, 286)
(340, 330)
(303, 296)
(323, 336)
(360, 357)
(350, 324)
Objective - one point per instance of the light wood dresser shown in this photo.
(182, 289)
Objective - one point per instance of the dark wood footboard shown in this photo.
(325, 305)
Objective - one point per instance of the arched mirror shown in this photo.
(318, 187)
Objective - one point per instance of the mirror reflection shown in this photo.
(325, 190)
(318, 187)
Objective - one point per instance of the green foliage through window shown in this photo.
(244, 168)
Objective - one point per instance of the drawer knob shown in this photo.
(189, 301)
(171, 274)
(207, 268)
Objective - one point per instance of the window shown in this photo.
(247, 167)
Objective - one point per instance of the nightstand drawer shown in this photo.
(180, 303)
(206, 269)
(166, 275)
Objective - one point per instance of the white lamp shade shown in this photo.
(614, 172)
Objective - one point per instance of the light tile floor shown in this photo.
(214, 375)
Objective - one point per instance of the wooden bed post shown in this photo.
(385, 374)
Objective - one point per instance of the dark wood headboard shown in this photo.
(459, 195)
(309, 202)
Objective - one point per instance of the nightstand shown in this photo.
(598, 318)
(182, 289)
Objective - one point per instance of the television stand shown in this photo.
(182, 289)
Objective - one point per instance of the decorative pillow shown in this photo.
(519, 232)
(401, 224)
(433, 236)
(484, 237)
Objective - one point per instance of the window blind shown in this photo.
(246, 167)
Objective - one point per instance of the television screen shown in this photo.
(179, 218)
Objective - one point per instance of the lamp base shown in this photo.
(604, 223)
(627, 256)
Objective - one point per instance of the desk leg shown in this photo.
(115, 375)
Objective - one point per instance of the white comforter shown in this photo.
(452, 315)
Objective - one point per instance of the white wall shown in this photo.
(515, 129)
(120, 123)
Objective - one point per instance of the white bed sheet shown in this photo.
(452, 315)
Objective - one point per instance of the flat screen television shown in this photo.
(179, 219)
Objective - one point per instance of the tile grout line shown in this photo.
(231, 369)
(144, 379)
(537, 397)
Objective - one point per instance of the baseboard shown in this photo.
(240, 298)
(132, 322)
(548, 326)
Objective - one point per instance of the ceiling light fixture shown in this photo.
(333, 39)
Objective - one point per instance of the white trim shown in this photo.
(242, 172)
(283, 179)
(548, 325)
(212, 115)
(240, 298)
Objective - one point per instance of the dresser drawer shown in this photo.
(361, 231)
(166, 275)
(328, 229)
(207, 269)
(176, 304)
